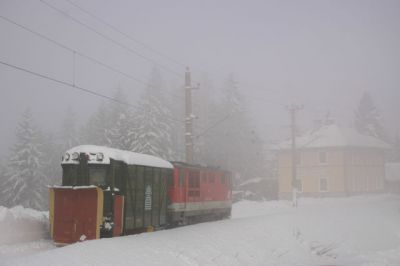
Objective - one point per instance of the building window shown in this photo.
(323, 184)
(322, 157)
(299, 185)
(379, 183)
(372, 183)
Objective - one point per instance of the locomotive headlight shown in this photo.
(66, 156)
(100, 156)
(75, 156)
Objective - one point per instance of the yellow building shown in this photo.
(333, 161)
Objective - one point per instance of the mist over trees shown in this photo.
(69, 134)
(396, 149)
(367, 119)
(152, 120)
(233, 143)
(23, 181)
(223, 136)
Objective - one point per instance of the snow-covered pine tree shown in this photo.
(113, 124)
(24, 182)
(121, 132)
(367, 119)
(394, 156)
(177, 107)
(234, 144)
(2, 181)
(69, 131)
(207, 113)
(51, 160)
(95, 130)
(152, 120)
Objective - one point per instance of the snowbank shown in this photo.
(21, 225)
(356, 231)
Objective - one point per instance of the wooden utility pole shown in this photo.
(188, 117)
(292, 110)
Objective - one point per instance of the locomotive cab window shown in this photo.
(70, 175)
(203, 177)
(97, 176)
(223, 179)
(181, 177)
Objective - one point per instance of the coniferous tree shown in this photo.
(395, 154)
(153, 118)
(207, 113)
(241, 143)
(51, 160)
(113, 125)
(367, 119)
(233, 144)
(69, 131)
(121, 132)
(177, 128)
(24, 182)
(2, 181)
(95, 131)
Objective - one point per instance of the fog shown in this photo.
(112, 73)
(322, 54)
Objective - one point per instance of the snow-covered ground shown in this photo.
(22, 232)
(362, 230)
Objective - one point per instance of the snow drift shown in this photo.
(21, 225)
(363, 230)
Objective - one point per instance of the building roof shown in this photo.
(392, 171)
(131, 158)
(333, 135)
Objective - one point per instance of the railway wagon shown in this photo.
(108, 192)
(198, 194)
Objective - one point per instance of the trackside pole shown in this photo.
(292, 110)
(188, 118)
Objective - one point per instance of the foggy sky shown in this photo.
(322, 54)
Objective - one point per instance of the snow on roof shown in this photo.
(392, 171)
(252, 181)
(256, 180)
(335, 136)
(128, 157)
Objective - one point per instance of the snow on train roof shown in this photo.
(128, 157)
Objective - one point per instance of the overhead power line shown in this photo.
(65, 14)
(215, 124)
(92, 15)
(79, 88)
(75, 52)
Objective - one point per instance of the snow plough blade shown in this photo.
(75, 213)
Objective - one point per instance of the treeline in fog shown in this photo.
(153, 124)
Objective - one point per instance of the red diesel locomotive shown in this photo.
(108, 192)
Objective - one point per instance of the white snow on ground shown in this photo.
(22, 231)
(362, 230)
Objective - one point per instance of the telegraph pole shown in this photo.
(292, 111)
(188, 117)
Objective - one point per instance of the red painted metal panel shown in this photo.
(215, 186)
(118, 215)
(75, 214)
